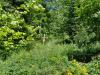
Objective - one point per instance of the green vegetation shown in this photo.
(48, 59)
(49, 37)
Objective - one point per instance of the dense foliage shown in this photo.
(49, 37)
(19, 25)
(48, 60)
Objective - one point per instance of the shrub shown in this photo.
(94, 67)
(75, 68)
(15, 32)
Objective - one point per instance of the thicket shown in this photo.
(43, 37)
(19, 24)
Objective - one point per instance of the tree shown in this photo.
(16, 31)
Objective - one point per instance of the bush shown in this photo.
(75, 68)
(15, 32)
(94, 67)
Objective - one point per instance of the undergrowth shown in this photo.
(48, 59)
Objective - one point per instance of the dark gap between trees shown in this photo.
(82, 56)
